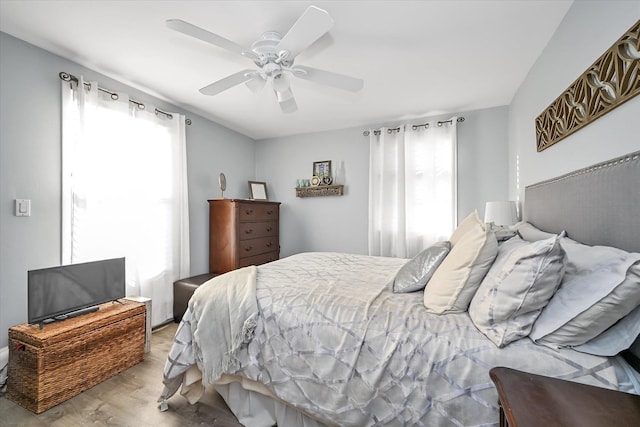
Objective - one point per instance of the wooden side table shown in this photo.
(528, 400)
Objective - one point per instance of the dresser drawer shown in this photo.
(256, 212)
(253, 247)
(254, 230)
(259, 259)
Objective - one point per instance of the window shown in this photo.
(125, 192)
(412, 188)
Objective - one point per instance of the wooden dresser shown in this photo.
(242, 233)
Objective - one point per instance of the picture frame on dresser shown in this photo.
(258, 190)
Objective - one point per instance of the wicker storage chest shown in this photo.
(50, 365)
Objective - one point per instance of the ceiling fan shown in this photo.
(274, 56)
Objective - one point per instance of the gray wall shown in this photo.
(30, 168)
(587, 31)
(340, 223)
(212, 149)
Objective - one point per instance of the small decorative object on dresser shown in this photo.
(222, 183)
(242, 233)
(258, 190)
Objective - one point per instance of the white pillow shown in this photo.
(531, 233)
(617, 338)
(415, 274)
(468, 224)
(454, 283)
(520, 283)
(601, 285)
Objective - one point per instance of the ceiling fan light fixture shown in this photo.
(280, 82)
(287, 105)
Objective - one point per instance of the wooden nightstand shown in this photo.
(528, 400)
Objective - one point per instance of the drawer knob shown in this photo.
(248, 231)
(249, 211)
(248, 248)
(269, 212)
(269, 244)
(269, 228)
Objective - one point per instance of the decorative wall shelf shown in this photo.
(320, 191)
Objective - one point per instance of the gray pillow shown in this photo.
(519, 284)
(415, 274)
(601, 285)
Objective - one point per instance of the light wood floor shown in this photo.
(128, 399)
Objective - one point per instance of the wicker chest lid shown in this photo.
(57, 332)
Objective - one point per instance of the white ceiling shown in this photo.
(417, 58)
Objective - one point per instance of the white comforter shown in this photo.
(333, 341)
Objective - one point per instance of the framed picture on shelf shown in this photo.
(322, 169)
(258, 190)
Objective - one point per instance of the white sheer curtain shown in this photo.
(412, 188)
(125, 191)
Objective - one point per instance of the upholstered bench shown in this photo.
(182, 291)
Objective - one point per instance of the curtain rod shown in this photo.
(70, 77)
(414, 127)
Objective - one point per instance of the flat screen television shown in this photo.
(57, 293)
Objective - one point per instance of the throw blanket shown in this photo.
(221, 317)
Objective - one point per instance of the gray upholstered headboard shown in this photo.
(597, 205)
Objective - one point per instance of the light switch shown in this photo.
(23, 207)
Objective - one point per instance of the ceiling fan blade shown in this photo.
(206, 36)
(311, 25)
(228, 82)
(282, 88)
(329, 78)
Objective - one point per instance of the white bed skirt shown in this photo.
(257, 410)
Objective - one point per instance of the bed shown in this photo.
(322, 339)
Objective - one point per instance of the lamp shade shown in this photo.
(501, 213)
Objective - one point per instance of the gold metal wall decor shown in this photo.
(612, 80)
